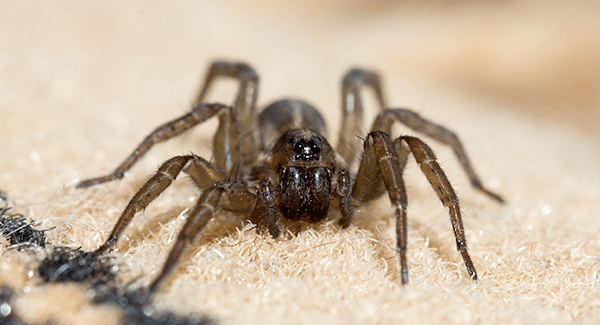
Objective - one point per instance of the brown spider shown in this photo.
(285, 166)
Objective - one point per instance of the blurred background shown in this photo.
(541, 57)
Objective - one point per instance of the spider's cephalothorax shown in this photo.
(286, 167)
(305, 164)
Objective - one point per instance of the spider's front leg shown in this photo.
(381, 169)
(201, 171)
(220, 193)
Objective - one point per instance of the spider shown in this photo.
(285, 167)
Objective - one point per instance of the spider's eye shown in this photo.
(297, 144)
(306, 150)
(315, 146)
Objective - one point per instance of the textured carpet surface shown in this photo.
(82, 83)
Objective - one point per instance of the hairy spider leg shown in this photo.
(385, 120)
(381, 169)
(236, 141)
(245, 102)
(439, 182)
(203, 173)
(199, 114)
(239, 199)
(352, 109)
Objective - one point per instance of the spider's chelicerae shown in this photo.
(283, 166)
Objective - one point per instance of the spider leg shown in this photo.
(439, 182)
(385, 120)
(226, 149)
(199, 114)
(380, 170)
(238, 199)
(202, 173)
(245, 102)
(352, 109)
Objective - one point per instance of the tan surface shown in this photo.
(81, 83)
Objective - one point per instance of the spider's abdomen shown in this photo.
(285, 115)
(305, 193)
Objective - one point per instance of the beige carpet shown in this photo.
(82, 82)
